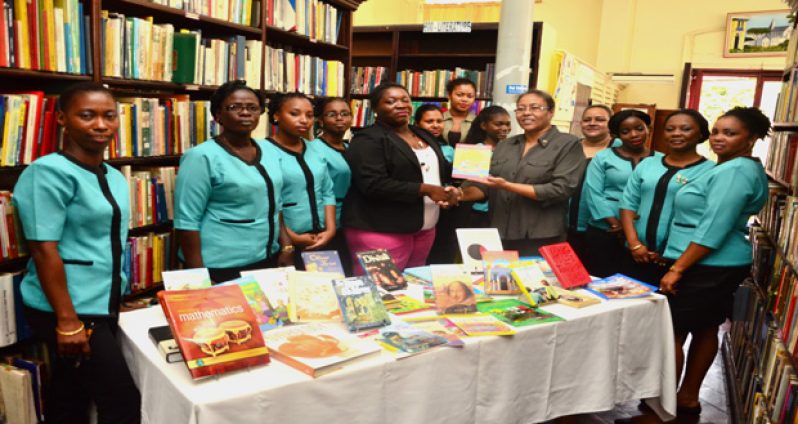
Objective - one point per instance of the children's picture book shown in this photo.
(257, 301)
(481, 324)
(360, 303)
(474, 242)
(516, 313)
(312, 297)
(215, 328)
(420, 272)
(543, 265)
(471, 161)
(402, 339)
(440, 326)
(534, 286)
(380, 267)
(186, 279)
(575, 299)
(619, 286)
(498, 268)
(566, 265)
(404, 304)
(453, 291)
(274, 283)
(322, 261)
(317, 348)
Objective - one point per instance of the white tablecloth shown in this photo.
(602, 355)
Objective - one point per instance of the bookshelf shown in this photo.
(403, 47)
(267, 28)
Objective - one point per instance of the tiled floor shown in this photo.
(713, 401)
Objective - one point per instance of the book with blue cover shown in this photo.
(322, 261)
(619, 286)
(360, 303)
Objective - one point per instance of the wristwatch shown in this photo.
(288, 248)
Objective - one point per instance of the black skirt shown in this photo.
(705, 296)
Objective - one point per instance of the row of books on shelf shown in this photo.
(781, 156)
(22, 382)
(433, 83)
(47, 35)
(242, 12)
(146, 258)
(365, 78)
(288, 72)
(12, 242)
(787, 104)
(151, 194)
(363, 114)
(315, 19)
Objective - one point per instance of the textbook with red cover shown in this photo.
(215, 329)
(566, 265)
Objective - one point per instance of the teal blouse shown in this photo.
(233, 204)
(307, 187)
(578, 212)
(339, 172)
(713, 211)
(649, 193)
(605, 180)
(86, 210)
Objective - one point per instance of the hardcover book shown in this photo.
(453, 291)
(166, 344)
(498, 267)
(257, 301)
(322, 261)
(317, 348)
(215, 329)
(186, 279)
(471, 161)
(566, 265)
(379, 266)
(481, 325)
(619, 286)
(440, 326)
(575, 299)
(403, 340)
(516, 313)
(360, 303)
(312, 297)
(274, 283)
(534, 285)
(474, 242)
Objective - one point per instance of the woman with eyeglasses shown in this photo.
(228, 193)
(334, 118)
(532, 177)
(309, 205)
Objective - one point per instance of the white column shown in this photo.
(513, 54)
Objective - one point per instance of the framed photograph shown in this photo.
(757, 34)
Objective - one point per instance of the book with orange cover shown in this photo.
(566, 265)
(215, 328)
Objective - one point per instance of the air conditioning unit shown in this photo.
(629, 77)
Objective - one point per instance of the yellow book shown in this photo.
(11, 158)
(50, 62)
(22, 39)
(200, 121)
(332, 78)
(8, 126)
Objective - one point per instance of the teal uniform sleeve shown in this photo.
(727, 195)
(448, 153)
(41, 196)
(594, 184)
(631, 193)
(327, 189)
(192, 191)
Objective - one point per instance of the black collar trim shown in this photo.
(226, 148)
(90, 168)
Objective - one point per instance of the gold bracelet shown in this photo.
(637, 246)
(73, 332)
(674, 269)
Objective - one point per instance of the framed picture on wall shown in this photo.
(757, 34)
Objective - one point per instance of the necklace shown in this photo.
(419, 143)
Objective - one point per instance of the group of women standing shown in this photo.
(678, 220)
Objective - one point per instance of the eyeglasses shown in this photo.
(531, 108)
(343, 114)
(235, 108)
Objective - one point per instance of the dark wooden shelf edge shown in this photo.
(15, 264)
(188, 17)
(30, 73)
(778, 180)
(445, 99)
(304, 39)
(371, 55)
(151, 228)
(146, 292)
(150, 84)
(778, 248)
(732, 391)
(443, 55)
(168, 160)
(785, 126)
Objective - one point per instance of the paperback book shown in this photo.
(312, 297)
(516, 313)
(274, 283)
(402, 339)
(619, 286)
(360, 303)
(403, 304)
(481, 324)
(453, 291)
(498, 274)
(215, 329)
(257, 301)
(575, 299)
(317, 348)
(566, 265)
(534, 286)
(186, 279)
(382, 270)
(474, 242)
(440, 326)
(322, 261)
(471, 161)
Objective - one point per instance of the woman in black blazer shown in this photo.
(398, 178)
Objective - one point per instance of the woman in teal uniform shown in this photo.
(647, 203)
(74, 211)
(228, 193)
(308, 196)
(335, 118)
(605, 180)
(708, 243)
